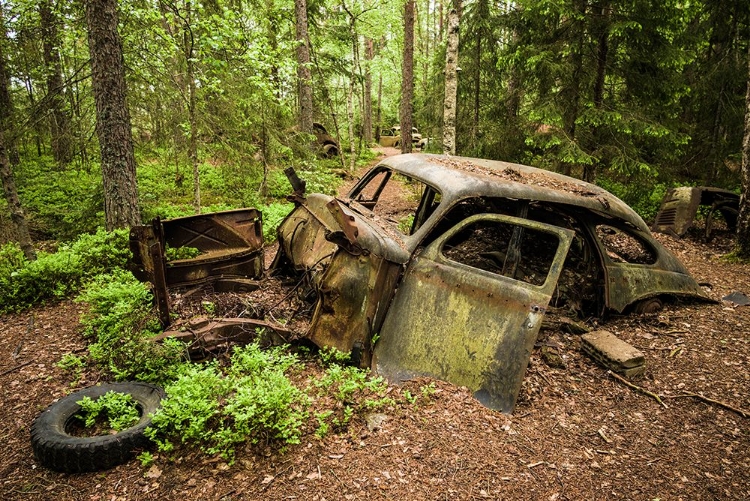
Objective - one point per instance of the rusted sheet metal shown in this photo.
(230, 245)
(466, 326)
(352, 300)
(230, 242)
(205, 335)
(149, 263)
(680, 206)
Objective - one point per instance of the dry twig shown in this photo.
(637, 388)
(15, 368)
(741, 412)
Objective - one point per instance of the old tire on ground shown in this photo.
(55, 448)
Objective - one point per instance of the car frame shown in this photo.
(398, 298)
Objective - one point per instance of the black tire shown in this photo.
(58, 450)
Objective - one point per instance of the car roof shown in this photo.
(461, 177)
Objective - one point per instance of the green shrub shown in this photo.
(57, 275)
(122, 320)
(253, 400)
(119, 408)
(273, 214)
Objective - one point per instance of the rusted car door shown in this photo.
(470, 306)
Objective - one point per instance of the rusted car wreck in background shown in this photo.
(680, 207)
(453, 280)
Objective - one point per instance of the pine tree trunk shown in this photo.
(17, 216)
(407, 78)
(59, 118)
(743, 221)
(112, 116)
(304, 75)
(451, 85)
(14, 204)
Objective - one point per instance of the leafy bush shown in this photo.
(273, 214)
(252, 401)
(121, 318)
(643, 197)
(54, 276)
(119, 408)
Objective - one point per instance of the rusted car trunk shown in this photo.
(230, 246)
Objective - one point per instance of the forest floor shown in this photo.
(576, 433)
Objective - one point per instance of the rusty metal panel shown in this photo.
(677, 211)
(465, 325)
(353, 296)
(230, 245)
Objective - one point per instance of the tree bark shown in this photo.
(407, 78)
(189, 50)
(743, 221)
(451, 85)
(17, 216)
(304, 75)
(378, 125)
(14, 204)
(602, 34)
(367, 119)
(112, 115)
(59, 119)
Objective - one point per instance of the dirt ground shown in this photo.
(577, 433)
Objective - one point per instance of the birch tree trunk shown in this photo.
(451, 85)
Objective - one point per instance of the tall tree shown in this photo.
(18, 217)
(743, 221)
(304, 74)
(112, 115)
(367, 118)
(451, 85)
(407, 79)
(59, 119)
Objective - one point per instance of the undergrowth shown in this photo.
(57, 275)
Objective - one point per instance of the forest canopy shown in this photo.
(636, 96)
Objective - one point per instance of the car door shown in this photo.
(470, 305)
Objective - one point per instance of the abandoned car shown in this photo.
(454, 279)
(444, 266)
(392, 137)
(680, 207)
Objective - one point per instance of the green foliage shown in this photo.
(121, 320)
(644, 198)
(146, 459)
(252, 400)
(73, 364)
(119, 408)
(55, 276)
(273, 214)
(330, 355)
(177, 253)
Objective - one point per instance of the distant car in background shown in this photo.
(328, 145)
(392, 137)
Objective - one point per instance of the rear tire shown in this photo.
(55, 448)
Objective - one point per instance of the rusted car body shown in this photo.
(680, 207)
(453, 281)
(392, 137)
